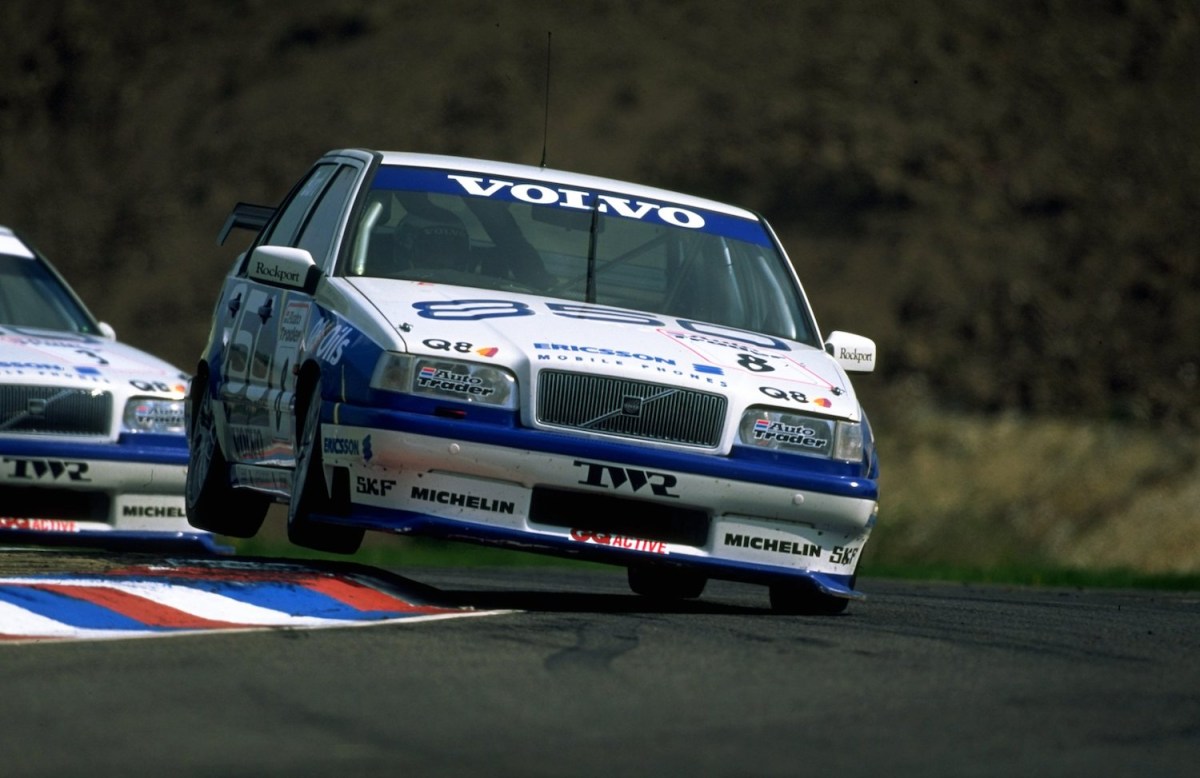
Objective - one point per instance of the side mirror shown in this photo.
(107, 330)
(284, 266)
(854, 353)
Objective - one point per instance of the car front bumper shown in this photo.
(135, 485)
(610, 501)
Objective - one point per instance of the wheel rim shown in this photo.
(200, 454)
(304, 455)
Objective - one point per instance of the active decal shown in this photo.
(39, 525)
(619, 541)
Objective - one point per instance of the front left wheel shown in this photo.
(309, 492)
(662, 583)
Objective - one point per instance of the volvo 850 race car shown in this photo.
(534, 359)
(92, 435)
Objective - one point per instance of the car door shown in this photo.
(258, 383)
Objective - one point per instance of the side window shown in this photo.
(317, 235)
(288, 223)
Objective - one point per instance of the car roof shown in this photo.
(553, 176)
(11, 244)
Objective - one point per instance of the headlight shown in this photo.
(795, 433)
(143, 414)
(465, 382)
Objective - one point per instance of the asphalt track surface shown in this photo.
(583, 678)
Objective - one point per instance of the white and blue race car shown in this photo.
(535, 359)
(92, 440)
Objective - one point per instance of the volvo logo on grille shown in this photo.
(631, 406)
(36, 406)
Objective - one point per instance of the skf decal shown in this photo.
(771, 544)
(378, 487)
(614, 477)
(842, 555)
(619, 541)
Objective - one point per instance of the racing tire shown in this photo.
(309, 493)
(210, 500)
(806, 600)
(660, 583)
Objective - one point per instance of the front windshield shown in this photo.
(607, 249)
(32, 296)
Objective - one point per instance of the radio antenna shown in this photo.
(546, 112)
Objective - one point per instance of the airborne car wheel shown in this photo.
(666, 584)
(212, 503)
(309, 493)
(805, 600)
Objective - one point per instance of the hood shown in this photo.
(527, 333)
(30, 356)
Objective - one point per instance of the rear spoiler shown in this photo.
(246, 216)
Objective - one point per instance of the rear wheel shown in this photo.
(212, 503)
(666, 583)
(309, 493)
(803, 599)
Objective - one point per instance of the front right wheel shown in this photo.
(804, 599)
(309, 493)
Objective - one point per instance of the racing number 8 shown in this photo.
(470, 310)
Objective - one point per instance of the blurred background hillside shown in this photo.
(1003, 195)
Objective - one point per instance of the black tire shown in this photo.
(211, 502)
(805, 600)
(309, 494)
(662, 583)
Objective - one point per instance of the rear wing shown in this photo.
(246, 216)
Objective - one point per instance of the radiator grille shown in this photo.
(54, 410)
(633, 409)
